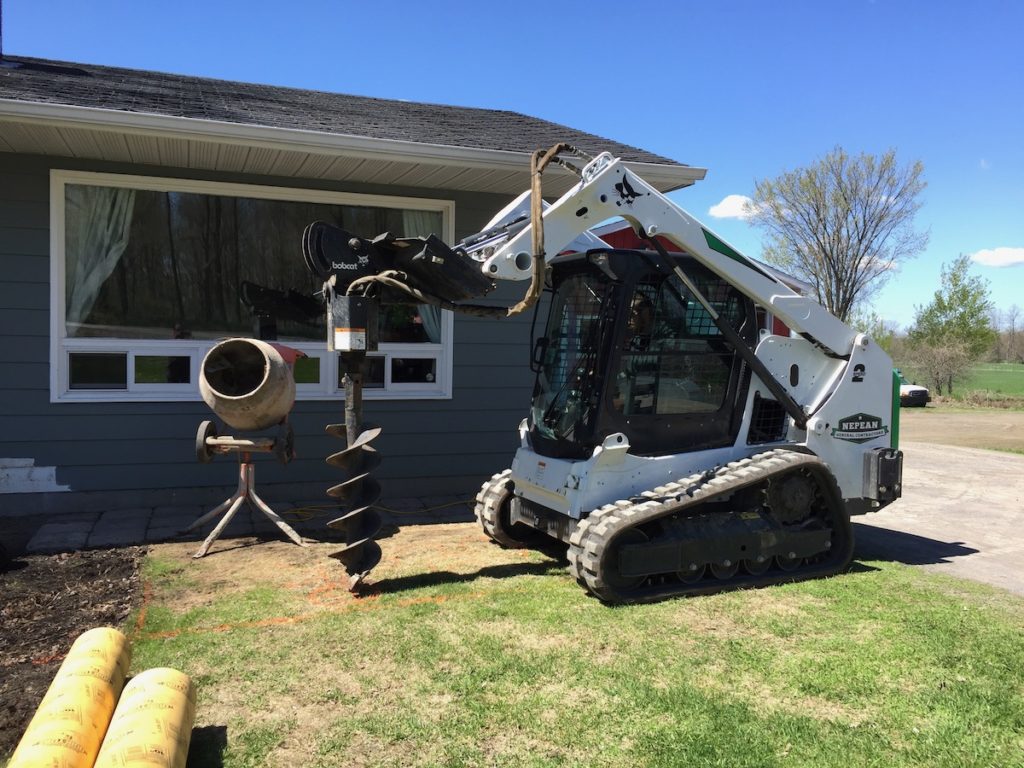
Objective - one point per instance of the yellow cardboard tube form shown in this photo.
(72, 719)
(152, 725)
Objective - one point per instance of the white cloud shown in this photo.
(887, 265)
(984, 164)
(999, 257)
(733, 207)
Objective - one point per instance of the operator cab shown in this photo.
(628, 349)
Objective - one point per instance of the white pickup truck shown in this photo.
(913, 394)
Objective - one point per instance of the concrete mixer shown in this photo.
(250, 385)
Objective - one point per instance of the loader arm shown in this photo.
(608, 189)
(523, 237)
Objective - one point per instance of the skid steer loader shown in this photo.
(675, 445)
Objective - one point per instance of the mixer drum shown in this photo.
(247, 383)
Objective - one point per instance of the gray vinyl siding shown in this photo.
(429, 447)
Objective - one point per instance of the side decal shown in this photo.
(859, 428)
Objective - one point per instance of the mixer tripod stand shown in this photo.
(209, 443)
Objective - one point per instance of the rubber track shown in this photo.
(590, 542)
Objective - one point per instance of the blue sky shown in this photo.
(744, 89)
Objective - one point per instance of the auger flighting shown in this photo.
(358, 491)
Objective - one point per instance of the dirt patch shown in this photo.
(996, 430)
(46, 602)
(309, 583)
(413, 556)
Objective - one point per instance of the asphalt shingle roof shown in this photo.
(143, 92)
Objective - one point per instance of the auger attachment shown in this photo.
(356, 497)
(358, 491)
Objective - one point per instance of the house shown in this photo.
(133, 204)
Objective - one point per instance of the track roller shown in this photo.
(767, 519)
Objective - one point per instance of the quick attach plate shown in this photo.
(352, 323)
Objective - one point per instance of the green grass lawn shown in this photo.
(994, 385)
(885, 666)
(1002, 378)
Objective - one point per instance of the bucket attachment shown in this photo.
(427, 262)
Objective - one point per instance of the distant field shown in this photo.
(988, 385)
(1004, 378)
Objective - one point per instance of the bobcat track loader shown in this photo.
(675, 445)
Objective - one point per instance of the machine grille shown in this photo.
(767, 421)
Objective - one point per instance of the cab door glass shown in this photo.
(673, 359)
(568, 359)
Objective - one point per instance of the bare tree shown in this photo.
(941, 362)
(842, 224)
(1012, 320)
(173, 254)
(995, 319)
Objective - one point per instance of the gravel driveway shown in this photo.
(962, 513)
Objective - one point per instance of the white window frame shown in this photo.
(61, 346)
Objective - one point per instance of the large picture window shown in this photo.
(147, 275)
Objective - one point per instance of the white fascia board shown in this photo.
(291, 139)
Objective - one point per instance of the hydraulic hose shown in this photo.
(539, 161)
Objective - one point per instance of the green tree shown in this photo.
(842, 224)
(957, 320)
(884, 332)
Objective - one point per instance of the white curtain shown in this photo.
(431, 317)
(97, 223)
(421, 224)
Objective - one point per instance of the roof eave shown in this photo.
(665, 177)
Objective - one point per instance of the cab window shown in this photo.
(673, 358)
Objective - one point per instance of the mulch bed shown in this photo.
(46, 602)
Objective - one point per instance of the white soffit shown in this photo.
(159, 140)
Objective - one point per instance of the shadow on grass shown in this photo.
(873, 543)
(439, 578)
(247, 541)
(856, 566)
(206, 749)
